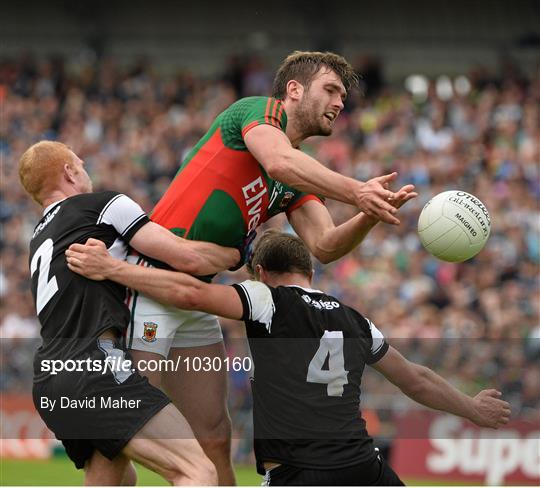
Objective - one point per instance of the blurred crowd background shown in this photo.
(476, 323)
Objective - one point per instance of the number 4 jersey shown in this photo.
(73, 311)
(309, 351)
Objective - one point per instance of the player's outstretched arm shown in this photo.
(314, 224)
(425, 386)
(193, 257)
(272, 148)
(174, 288)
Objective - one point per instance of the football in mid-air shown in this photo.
(454, 226)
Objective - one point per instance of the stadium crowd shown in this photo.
(476, 323)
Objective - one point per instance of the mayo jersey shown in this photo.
(221, 192)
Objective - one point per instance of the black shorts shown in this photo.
(376, 473)
(99, 411)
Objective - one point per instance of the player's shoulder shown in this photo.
(244, 114)
(251, 101)
(94, 198)
(92, 206)
(321, 301)
(259, 294)
(255, 106)
(96, 201)
(317, 300)
(256, 292)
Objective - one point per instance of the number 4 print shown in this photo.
(45, 288)
(335, 376)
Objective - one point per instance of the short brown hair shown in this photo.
(279, 252)
(302, 66)
(40, 166)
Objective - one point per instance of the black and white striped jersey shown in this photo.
(309, 351)
(73, 311)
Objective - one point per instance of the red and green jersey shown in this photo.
(221, 192)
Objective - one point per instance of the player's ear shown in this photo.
(68, 173)
(259, 272)
(295, 90)
(310, 277)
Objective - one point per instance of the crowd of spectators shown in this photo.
(477, 323)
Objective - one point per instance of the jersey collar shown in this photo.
(48, 208)
(309, 290)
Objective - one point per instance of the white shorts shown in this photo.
(156, 328)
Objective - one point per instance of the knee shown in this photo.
(216, 437)
(218, 429)
(130, 476)
(204, 475)
(218, 444)
(207, 474)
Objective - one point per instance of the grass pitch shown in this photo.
(59, 471)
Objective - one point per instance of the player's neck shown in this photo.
(55, 196)
(295, 135)
(287, 279)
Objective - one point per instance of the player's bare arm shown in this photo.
(174, 288)
(284, 163)
(425, 386)
(314, 224)
(193, 257)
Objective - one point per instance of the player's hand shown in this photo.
(404, 194)
(375, 199)
(490, 410)
(90, 260)
(246, 250)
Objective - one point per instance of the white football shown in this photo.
(454, 226)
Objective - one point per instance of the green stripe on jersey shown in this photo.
(228, 230)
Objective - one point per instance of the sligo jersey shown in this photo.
(221, 192)
(73, 311)
(309, 352)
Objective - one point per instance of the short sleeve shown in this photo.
(379, 346)
(300, 199)
(125, 215)
(264, 110)
(257, 301)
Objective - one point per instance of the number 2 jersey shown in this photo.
(73, 311)
(309, 351)
(221, 192)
